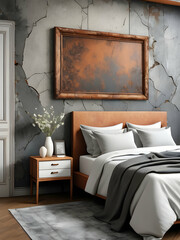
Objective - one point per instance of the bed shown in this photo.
(103, 119)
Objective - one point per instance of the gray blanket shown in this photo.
(126, 179)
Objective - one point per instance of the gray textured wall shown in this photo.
(34, 54)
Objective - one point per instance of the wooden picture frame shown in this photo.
(100, 65)
(168, 2)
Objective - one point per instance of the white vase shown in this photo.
(42, 151)
(49, 146)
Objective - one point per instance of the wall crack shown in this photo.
(156, 88)
(29, 141)
(141, 19)
(83, 105)
(34, 25)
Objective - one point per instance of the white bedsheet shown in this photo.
(156, 204)
(85, 164)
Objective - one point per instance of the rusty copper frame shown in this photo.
(168, 2)
(61, 32)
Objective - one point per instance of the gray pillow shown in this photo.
(134, 127)
(114, 142)
(91, 142)
(87, 132)
(137, 139)
(87, 138)
(96, 148)
(159, 137)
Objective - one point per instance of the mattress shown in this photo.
(85, 163)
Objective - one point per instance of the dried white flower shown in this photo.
(47, 121)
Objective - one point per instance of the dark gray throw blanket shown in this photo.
(125, 180)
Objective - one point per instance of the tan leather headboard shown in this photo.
(103, 119)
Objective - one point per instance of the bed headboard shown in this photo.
(107, 118)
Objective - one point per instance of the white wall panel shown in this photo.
(1, 160)
(1, 77)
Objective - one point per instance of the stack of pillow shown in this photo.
(91, 141)
(100, 140)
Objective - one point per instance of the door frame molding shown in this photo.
(12, 108)
(9, 96)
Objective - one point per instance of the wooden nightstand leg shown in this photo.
(71, 189)
(37, 192)
(31, 186)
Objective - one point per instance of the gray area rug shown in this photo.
(67, 221)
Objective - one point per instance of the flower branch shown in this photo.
(48, 122)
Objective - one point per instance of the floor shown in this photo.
(10, 229)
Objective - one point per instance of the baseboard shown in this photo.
(21, 191)
(25, 191)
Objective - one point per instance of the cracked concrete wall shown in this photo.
(35, 21)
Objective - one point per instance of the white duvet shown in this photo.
(156, 204)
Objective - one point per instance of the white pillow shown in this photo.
(117, 126)
(87, 132)
(134, 128)
(159, 137)
(114, 142)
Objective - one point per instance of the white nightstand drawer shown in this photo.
(54, 173)
(54, 164)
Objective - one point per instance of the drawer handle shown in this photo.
(54, 172)
(54, 164)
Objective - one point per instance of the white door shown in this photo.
(6, 107)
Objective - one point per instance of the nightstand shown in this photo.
(50, 169)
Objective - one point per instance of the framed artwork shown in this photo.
(59, 148)
(100, 65)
